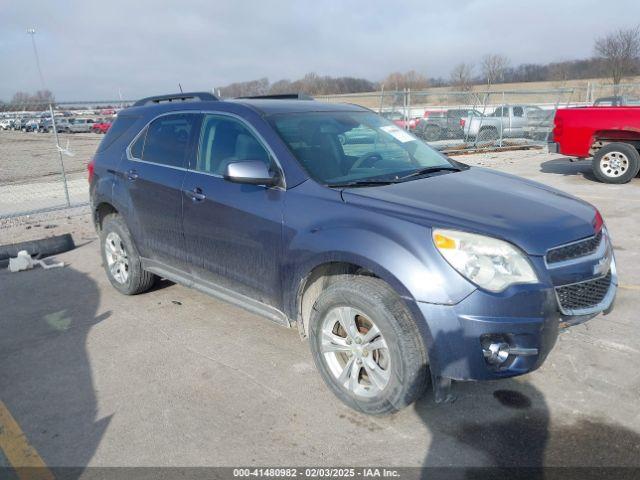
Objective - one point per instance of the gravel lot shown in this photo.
(173, 377)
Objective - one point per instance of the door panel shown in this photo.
(154, 172)
(233, 232)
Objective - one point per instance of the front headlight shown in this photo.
(488, 262)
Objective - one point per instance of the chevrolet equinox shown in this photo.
(402, 267)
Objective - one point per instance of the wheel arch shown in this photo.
(101, 211)
(323, 270)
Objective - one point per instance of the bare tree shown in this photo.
(410, 79)
(620, 51)
(461, 76)
(493, 68)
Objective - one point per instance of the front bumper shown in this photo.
(524, 318)
(457, 332)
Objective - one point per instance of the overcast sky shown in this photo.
(90, 48)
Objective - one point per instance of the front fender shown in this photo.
(413, 268)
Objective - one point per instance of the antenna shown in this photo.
(180, 86)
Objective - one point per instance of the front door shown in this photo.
(233, 232)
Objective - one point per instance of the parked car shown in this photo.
(398, 264)
(444, 124)
(62, 125)
(102, 125)
(400, 120)
(610, 136)
(30, 125)
(80, 125)
(504, 121)
(7, 123)
(616, 101)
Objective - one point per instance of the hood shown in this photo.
(530, 215)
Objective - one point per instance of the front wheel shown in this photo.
(616, 163)
(367, 346)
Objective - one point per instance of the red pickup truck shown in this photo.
(610, 135)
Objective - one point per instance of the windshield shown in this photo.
(346, 147)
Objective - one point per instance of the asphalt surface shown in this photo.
(175, 378)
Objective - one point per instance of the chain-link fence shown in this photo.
(44, 151)
(470, 120)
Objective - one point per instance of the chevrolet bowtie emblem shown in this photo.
(602, 267)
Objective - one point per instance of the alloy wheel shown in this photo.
(117, 258)
(355, 351)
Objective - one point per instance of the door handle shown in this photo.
(132, 175)
(196, 194)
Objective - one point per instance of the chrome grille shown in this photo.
(579, 296)
(574, 250)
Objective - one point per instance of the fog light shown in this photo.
(496, 349)
(496, 353)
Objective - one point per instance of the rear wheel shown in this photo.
(120, 258)
(488, 135)
(616, 163)
(367, 347)
(432, 133)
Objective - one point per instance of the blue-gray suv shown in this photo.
(401, 266)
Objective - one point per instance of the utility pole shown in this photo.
(32, 32)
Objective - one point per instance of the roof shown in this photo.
(261, 106)
(295, 106)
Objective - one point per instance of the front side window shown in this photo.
(168, 140)
(225, 140)
(518, 112)
(345, 147)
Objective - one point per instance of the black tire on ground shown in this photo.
(616, 163)
(488, 134)
(138, 280)
(408, 367)
(432, 133)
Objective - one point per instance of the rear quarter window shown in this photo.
(121, 124)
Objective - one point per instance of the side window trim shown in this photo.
(263, 143)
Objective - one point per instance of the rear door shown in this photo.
(233, 232)
(154, 170)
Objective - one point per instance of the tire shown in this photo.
(125, 273)
(401, 366)
(488, 135)
(616, 163)
(432, 133)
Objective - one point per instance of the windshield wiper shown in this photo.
(428, 170)
(362, 183)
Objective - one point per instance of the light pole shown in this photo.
(32, 33)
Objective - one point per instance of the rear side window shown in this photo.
(136, 148)
(168, 140)
(518, 112)
(121, 124)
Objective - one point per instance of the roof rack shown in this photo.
(173, 97)
(279, 96)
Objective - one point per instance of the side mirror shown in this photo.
(253, 172)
